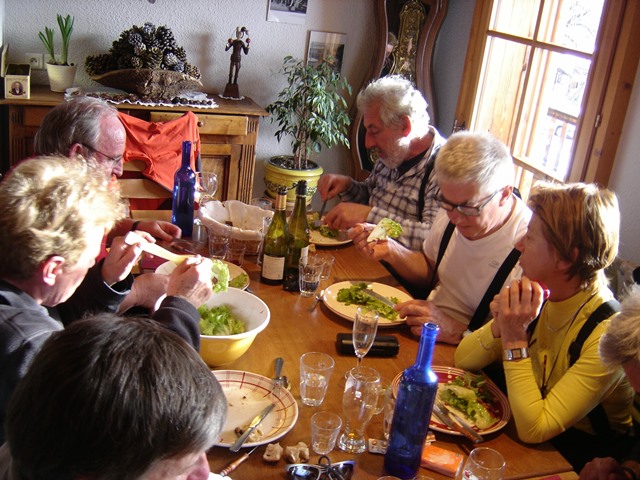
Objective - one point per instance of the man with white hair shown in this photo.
(402, 185)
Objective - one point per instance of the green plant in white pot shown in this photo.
(313, 112)
(61, 72)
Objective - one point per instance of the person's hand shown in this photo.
(515, 307)
(192, 280)
(418, 312)
(159, 229)
(121, 259)
(147, 290)
(603, 469)
(346, 214)
(371, 250)
(331, 184)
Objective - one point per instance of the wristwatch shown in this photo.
(512, 354)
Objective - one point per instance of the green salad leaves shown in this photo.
(219, 321)
(220, 273)
(468, 395)
(385, 229)
(357, 296)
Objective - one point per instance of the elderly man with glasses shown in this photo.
(470, 249)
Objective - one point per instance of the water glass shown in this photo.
(218, 245)
(310, 270)
(315, 371)
(358, 405)
(483, 464)
(235, 253)
(388, 408)
(325, 427)
(327, 261)
(263, 203)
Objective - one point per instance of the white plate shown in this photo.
(348, 312)
(447, 374)
(247, 394)
(322, 241)
(234, 270)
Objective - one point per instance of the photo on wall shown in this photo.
(287, 11)
(326, 45)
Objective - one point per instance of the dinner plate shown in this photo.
(447, 374)
(348, 312)
(321, 241)
(247, 394)
(234, 270)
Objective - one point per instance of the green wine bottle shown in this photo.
(298, 244)
(275, 243)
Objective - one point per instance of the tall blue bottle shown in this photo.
(184, 190)
(416, 394)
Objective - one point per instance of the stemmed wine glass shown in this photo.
(209, 185)
(365, 327)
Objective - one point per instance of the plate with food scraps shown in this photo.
(491, 397)
(319, 238)
(348, 312)
(247, 395)
(238, 277)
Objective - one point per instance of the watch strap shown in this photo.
(512, 354)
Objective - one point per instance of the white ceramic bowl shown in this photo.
(218, 350)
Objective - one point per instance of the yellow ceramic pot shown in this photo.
(275, 176)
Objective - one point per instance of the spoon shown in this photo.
(280, 380)
(318, 297)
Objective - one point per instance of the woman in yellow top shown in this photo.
(572, 237)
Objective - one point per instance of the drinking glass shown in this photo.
(315, 372)
(483, 464)
(325, 427)
(358, 405)
(209, 185)
(365, 327)
(310, 270)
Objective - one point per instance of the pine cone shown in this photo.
(136, 62)
(181, 54)
(170, 59)
(135, 38)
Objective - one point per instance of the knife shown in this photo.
(252, 426)
(233, 465)
(454, 422)
(377, 296)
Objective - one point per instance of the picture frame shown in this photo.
(287, 11)
(323, 45)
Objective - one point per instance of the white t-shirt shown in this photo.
(468, 266)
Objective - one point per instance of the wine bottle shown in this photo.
(298, 243)
(414, 402)
(275, 243)
(184, 190)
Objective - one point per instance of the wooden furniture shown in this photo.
(228, 134)
(406, 33)
(294, 330)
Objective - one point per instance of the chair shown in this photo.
(145, 198)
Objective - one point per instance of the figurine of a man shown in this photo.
(238, 46)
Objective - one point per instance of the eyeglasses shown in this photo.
(467, 210)
(321, 471)
(113, 161)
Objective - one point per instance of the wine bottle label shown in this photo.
(272, 267)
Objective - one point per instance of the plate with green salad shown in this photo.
(472, 396)
(344, 298)
(238, 277)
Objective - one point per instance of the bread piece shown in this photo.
(297, 453)
(272, 453)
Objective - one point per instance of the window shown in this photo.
(544, 75)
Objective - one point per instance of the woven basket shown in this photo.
(149, 83)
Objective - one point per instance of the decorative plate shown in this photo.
(447, 374)
(348, 312)
(247, 394)
(234, 271)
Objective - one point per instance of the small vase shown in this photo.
(61, 77)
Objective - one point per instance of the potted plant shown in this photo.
(312, 110)
(61, 73)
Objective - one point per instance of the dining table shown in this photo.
(297, 327)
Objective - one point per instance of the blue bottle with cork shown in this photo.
(184, 190)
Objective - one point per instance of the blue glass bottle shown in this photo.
(184, 190)
(416, 395)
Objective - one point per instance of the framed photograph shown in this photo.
(287, 11)
(323, 45)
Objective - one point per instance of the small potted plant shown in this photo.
(312, 110)
(61, 72)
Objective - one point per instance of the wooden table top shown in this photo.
(294, 330)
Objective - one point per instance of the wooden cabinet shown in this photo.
(228, 134)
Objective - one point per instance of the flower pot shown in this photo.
(61, 77)
(275, 175)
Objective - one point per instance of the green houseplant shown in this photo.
(61, 72)
(313, 112)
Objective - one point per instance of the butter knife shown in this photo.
(377, 296)
(252, 426)
(454, 422)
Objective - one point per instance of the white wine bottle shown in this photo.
(275, 243)
(298, 244)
